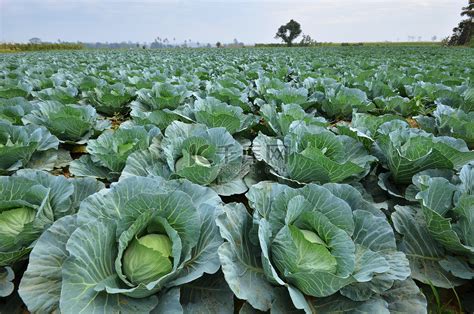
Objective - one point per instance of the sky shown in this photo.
(250, 21)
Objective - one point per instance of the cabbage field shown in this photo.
(299, 180)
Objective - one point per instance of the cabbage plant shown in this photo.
(406, 151)
(287, 95)
(64, 95)
(30, 201)
(27, 146)
(403, 106)
(155, 105)
(109, 152)
(69, 123)
(162, 96)
(205, 156)
(215, 113)
(231, 91)
(279, 120)
(339, 101)
(448, 121)
(110, 99)
(130, 248)
(438, 232)
(301, 246)
(11, 88)
(13, 109)
(309, 153)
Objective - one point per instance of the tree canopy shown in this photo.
(289, 32)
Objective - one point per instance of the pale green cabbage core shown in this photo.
(148, 258)
(13, 221)
(314, 254)
(124, 148)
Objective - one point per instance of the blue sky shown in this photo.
(249, 21)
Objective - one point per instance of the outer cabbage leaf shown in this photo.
(6, 285)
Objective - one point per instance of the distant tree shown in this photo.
(306, 40)
(434, 38)
(289, 32)
(464, 32)
(469, 10)
(218, 44)
(35, 40)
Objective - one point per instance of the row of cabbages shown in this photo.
(166, 102)
(284, 130)
(151, 243)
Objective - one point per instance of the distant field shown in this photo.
(17, 47)
(368, 44)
